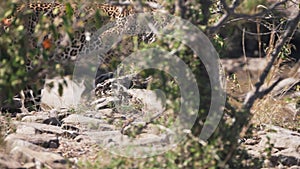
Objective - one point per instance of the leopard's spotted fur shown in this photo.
(83, 23)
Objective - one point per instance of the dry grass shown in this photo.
(277, 112)
(268, 110)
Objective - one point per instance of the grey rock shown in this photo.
(100, 114)
(116, 139)
(71, 93)
(12, 141)
(103, 113)
(40, 128)
(287, 159)
(32, 165)
(150, 140)
(294, 109)
(281, 138)
(46, 159)
(142, 146)
(43, 140)
(7, 162)
(105, 137)
(286, 146)
(23, 129)
(24, 152)
(41, 119)
(83, 121)
(106, 127)
(284, 86)
(153, 102)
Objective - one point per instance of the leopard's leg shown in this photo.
(32, 99)
(32, 93)
(101, 77)
(12, 107)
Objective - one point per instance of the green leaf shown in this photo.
(69, 10)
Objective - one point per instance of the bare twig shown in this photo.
(179, 8)
(258, 24)
(245, 59)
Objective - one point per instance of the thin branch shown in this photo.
(245, 59)
(179, 8)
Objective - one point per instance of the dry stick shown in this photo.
(245, 61)
(179, 8)
(258, 37)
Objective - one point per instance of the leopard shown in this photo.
(65, 45)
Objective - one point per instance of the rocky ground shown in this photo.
(280, 147)
(60, 138)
